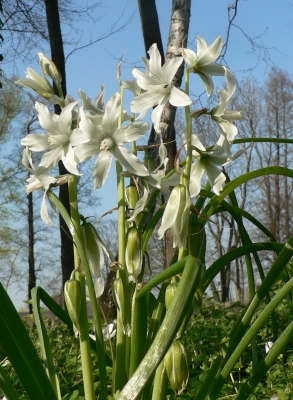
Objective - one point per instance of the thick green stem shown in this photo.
(186, 174)
(172, 321)
(72, 191)
(138, 333)
(92, 294)
(84, 342)
(160, 383)
(119, 369)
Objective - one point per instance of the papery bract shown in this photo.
(176, 216)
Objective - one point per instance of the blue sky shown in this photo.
(263, 37)
(266, 23)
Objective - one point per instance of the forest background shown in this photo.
(259, 37)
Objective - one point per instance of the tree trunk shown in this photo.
(57, 55)
(31, 256)
(178, 33)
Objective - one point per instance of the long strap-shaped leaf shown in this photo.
(21, 353)
(246, 338)
(45, 343)
(6, 386)
(265, 364)
(54, 307)
(174, 316)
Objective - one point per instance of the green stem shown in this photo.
(84, 342)
(138, 333)
(246, 339)
(186, 174)
(120, 362)
(160, 383)
(172, 321)
(92, 294)
(72, 191)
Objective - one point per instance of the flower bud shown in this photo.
(120, 299)
(131, 195)
(72, 297)
(170, 293)
(177, 366)
(133, 254)
(50, 69)
(93, 251)
(176, 216)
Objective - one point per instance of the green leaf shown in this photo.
(20, 351)
(6, 386)
(44, 341)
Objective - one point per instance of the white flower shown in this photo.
(108, 332)
(59, 140)
(220, 114)
(176, 216)
(203, 63)
(208, 162)
(38, 180)
(157, 84)
(268, 346)
(95, 108)
(106, 141)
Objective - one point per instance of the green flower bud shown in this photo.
(170, 293)
(50, 69)
(131, 196)
(177, 366)
(94, 253)
(72, 297)
(176, 216)
(120, 299)
(133, 254)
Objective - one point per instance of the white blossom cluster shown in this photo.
(98, 129)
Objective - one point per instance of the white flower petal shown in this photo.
(69, 162)
(213, 69)
(129, 161)
(65, 118)
(112, 112)
(206, 55)
(155, 63)
(179, 98)
(156, 116)
(101, 169)
(44, 212)
(48, 120)
(132, 86)
(78, 137)
(36, 141)
(214, 175)
(85, 151)
(170, 68)
(208, 82)
(134, 131)
(145, 101)
(170, 213)
(51, 158)
(196, 173)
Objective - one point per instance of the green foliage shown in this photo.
(66, 354)
(205, 339)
